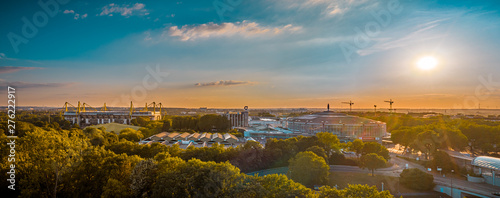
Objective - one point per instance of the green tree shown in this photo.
(47, 156)
(443, 160)
(130, 135)
(116, 189)
(353, 191)
(198, 179)
(416, 179)
(372, 161)
(94, 170)
(361, 191)
(278, 186)
(330, 142)
(356, 146)
(212, 122)
(143, 177)
(319, 152)
(309, 169)
(374, 147)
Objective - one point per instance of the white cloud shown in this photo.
(245, 28)
(2, 56)
(76, 16)
(223, 83)
(124, 10)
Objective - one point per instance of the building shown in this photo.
(238, 119)
(185, 140)
(84, 115)
(340, 124)
(488, 168)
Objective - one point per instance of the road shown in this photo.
(458, 182)
(400, 164)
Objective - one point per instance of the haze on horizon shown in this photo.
(262, 54)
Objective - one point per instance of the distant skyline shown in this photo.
(262, 54)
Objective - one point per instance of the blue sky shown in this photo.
(264, 53)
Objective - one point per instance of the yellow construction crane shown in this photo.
(66, 104)
(87, 105)
(104, 108)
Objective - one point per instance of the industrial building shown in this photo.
(185, 140)
(85, 115)
(488, 168)
(238, 119)
(340, 124)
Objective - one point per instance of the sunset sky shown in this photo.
(260, 53)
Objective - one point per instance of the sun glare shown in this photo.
(427, 63)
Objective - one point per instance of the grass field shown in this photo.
(114, 127)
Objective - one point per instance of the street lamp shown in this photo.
(451, 183)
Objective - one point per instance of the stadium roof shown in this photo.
(487, 162)
(330, 117)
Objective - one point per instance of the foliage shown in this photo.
(340, 159)
(278, 186)
(212, 122)
(319, 152)
(353, 191)
(140, 121)
(216, 153)
(130, 135)
(356, 146)
(197, 179)
(443, 160)
(96, 167)
(429, 138)
(309, 169)
(143, 177)
(266, 114)
(416, 179)
(47, 156)
(372, 161)
(374, 147)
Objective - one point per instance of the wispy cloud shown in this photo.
(328, 7)
(2, 56)
(245, 28)
(224, 83)
(417, 35)
(124, 10)
(24, 84)
(76, 16)
(12, 69)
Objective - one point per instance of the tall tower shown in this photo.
(328, 107)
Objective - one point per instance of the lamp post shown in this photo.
(451, 183)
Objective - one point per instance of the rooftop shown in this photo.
(330, 117)
(487, 162)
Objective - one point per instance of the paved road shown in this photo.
(458, 182)
(400, 164)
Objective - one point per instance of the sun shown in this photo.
(427, 63)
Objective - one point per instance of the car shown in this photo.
(496, 193)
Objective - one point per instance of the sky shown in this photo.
(259, 53)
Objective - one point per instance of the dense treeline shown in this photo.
(205, 123)
(96, 163)
(478, 136)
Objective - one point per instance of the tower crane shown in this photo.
(350, 105)
(390, 101)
